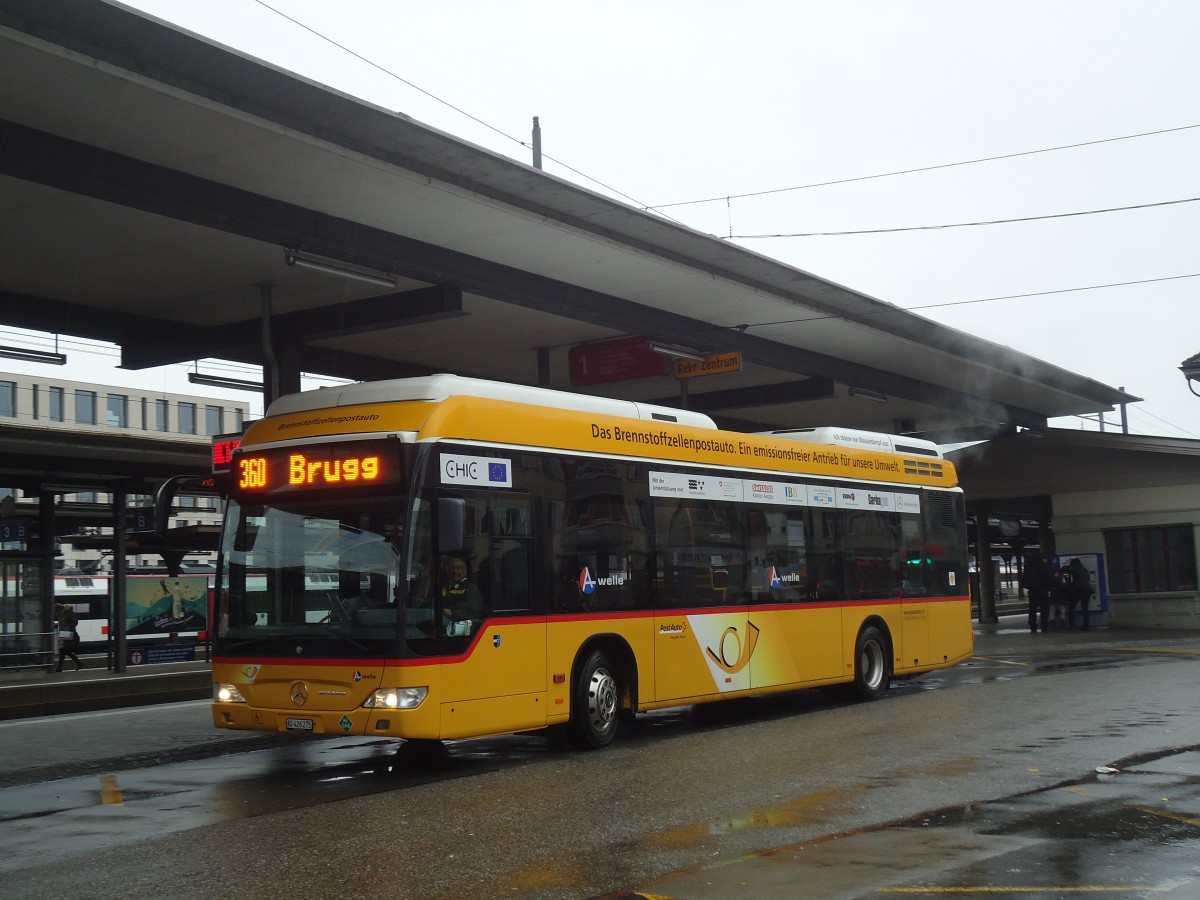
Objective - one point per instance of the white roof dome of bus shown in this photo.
(440, 387)
(860, 440)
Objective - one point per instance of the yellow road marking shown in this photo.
(110, 791)
(1174, 817)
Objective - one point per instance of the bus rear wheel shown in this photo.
(871, 670)
(595, 707)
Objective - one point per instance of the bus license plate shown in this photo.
(298, 724)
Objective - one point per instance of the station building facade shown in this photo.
(59, 408)
(1129, 504)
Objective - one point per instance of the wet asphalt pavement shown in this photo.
(979, 779)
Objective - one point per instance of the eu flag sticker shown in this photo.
(484, 471)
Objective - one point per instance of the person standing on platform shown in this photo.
(1037, 584)
(1060, 589)
(1081, 593)
(68, 635)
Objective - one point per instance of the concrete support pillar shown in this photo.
(120, 644)
(987, 579)
(45, 563)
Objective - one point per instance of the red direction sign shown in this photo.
(618, 360)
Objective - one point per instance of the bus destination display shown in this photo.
(317, 467)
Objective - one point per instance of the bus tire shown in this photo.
(871, 670)
(595, 707)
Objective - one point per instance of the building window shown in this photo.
(212, 419)
(117, 412)
(1149, 560)
(85, 407)
(160, 416)
(187, 418)
(237, 420)
(8, 399)
(56, 404)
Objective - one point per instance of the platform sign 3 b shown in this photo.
(15, 528)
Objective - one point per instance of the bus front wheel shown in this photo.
(595, 707)
(871, 670)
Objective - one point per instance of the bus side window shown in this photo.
(779, 562)
(824, 555)
(511, 589)
(504, 570)
(702, 548)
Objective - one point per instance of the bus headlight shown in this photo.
(227, 693)
(397, 698)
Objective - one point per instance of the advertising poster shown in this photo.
(167, 604)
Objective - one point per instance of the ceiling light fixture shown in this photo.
(43, 356)
(868, 394)
(334, 267)
(217, 381)
(675, 351)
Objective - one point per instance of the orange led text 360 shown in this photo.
(254, 472)
(304, 471)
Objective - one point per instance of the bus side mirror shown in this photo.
(451, 525)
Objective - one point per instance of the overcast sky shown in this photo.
(777, 114)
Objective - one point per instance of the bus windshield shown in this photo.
(310, 579)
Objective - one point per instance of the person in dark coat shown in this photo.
(461, 599)
(1060, 591)
(1037, 584)
(68, 636)
(1080, 593)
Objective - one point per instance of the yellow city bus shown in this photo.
(440, 558)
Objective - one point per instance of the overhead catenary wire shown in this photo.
(1137, 411)
(449, 105)
(730, 197)
(918, 169)
(1066, 215)
(891, 309)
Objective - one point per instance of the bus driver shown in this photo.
(461, 599)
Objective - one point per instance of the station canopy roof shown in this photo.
(151, 182)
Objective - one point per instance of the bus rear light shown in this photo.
(227, 693)
(397, 698)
